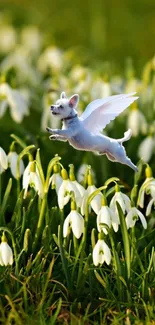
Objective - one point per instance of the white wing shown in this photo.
(100, 112)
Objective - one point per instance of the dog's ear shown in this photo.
(73, 101)
(63, 95)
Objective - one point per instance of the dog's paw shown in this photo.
(53, 137)
(48, 129)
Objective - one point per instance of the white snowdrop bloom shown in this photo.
(147, 187)
(100, 89)
(146, 148)
(8, 38)
(76, 222)
(12, 160)
(32, 178)
(65, 189)
(95, 202)
(149, 207)
(106, 216)
(123, 201)
(133, 215)
(31, 38)
(3, 160)
(51, 58)
(16, 102)
(137, 122)
(6, 254)
(20, 60)
(56, 181)
(101, 253)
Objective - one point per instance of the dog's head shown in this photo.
(65, 107)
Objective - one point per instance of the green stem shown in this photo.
(44, 203)
(126, 242)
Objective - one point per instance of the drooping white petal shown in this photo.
(56, 181)
(149, 207)
(66, 225)
(101, 253)
(37, 184)
(6, 253)
(146, 148)
(72, 187)
(77, 224)
(98, 253)
(123, 201)
(63, 197)
(95, 202)
(141, 199)
(3, 160)
(142, 218)
(26, 174)
(131, 219)
(12, 158)
(103, 217)
(107, 254)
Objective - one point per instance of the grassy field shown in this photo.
(77, 230)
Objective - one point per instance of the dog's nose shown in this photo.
(52, 107)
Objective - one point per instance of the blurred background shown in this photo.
(97, 49)
(110, 30)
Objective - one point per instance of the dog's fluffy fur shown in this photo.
(83, 133)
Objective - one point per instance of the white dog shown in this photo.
(83, 133)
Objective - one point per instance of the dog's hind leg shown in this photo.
(121, 157)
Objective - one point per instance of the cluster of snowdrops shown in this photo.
(83, 197)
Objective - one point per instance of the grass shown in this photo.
(53, 279)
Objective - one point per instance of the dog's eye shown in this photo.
(61, 106)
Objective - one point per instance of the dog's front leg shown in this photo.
(67, 133)
(57, 137)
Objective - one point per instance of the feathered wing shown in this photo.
(100, 112)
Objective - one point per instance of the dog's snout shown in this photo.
(52, 107)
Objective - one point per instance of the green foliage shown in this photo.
(53, 279)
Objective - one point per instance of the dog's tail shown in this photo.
(127, 136)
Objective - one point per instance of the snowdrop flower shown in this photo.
(8, 38)
(96, 201)
(20, 61)
(12, 160)
(31, 38)
(133, 215)
(106, 216)
(51, 58)
(147, 187)
(3, 160)
(32, 178)
(65, 189)
(56, 180)
(137, 122)
(146, 148)
(6, 254)
(16, 102)
(101, 253)
(123, 201)
(75, 221)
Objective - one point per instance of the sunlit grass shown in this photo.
(78, 258)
